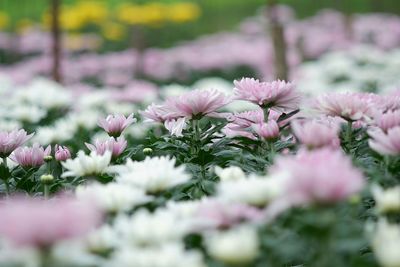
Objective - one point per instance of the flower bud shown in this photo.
(62, 153)
(46, 178)
(48, 158)
(147, 151)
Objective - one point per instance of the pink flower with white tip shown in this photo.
(114, 125)
(30, 156)
(349, 106)
(267, 130)
(217, 214)
(388, 120)
(385, 143)
(62, 153)
(158, 113)
(197, 103)
(277, 95)
(9, 141)
(316, 133)
(322, 175)
(245, 123)
(115, 146)
(39, 223)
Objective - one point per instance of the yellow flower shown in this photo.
(3, 20)
(92, 12)
(141, 14)
(113, 31)
(69, 20)
(183, 12)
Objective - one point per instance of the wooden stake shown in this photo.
(56, 40)
(278, 41)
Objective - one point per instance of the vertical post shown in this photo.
(138, 41)
(278, 41)
(56, 40)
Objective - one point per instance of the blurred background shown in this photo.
(97, 43)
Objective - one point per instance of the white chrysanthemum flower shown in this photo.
(153, 174)
(150, 229)
(85, 165)
(254, 190)
(75, 253)
(113, 197)
(234, 246)
(93, 100)
(120, 108)
(61, 131)
(386, 243)
(386, 200)
(9, 125)
(184, 209)
(168, 255)
(231, 173)
(10, 256)
(27, 113)
(101, 240)
(45, 93)
(86, 119)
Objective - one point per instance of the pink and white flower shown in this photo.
(278, 95)
(349, 106)
(34, 222)
(114, 125)
(267, 130)
(316, 133)
(197, 103)
(9, 141)
(30, 156)
(385, 143)
(388, 120)
(115, 146)
(62, 153)
(322, 176)
(218, 214)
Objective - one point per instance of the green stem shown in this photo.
(46, 257)
(349, 130)
(6, 179)
(266, 114)
(46, 191)
(197, 146)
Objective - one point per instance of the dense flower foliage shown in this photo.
(123, 172)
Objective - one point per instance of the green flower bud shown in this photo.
(46, 178)
(147, 150)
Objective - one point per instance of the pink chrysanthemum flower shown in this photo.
(158, 113)
(62, 153)
(391, 101)
(322, 175)
(197, 103)
(278, 95)
(349, 106)
(316, 133)
(30, 156)
(267, 130)
(247, 124)
(114, 125)
(385, 143)
(217, 214)
(9, 141)
(115, 146)
(34, 222)
(388, 120)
